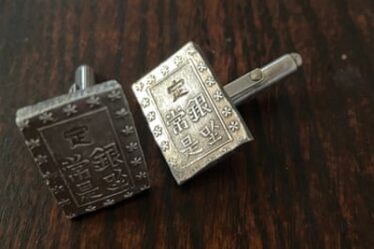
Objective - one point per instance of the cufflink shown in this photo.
(85, 145)
(192, 118)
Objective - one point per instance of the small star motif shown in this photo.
(178, 60)
(57, 189)
(201, 67)
(24, 124)
(173, 163)
(164, 145)
(223, 150)
(210, 81)
(47, 174)
(128, 194)
(132, 146)
(157, 131)
(139, 86)
(93, 101)
(218, 95)
(108, 202)
(128, 130)
(40, 159)
(121, 113)
(70, 109)
(191, 51)
(71, 216)
(141, 175)
(90, 208)
(145, 102)
(227, 111)
(33, 143)
(144, 187)
(151, 116)
(136, 161)
(164, 70)
(114, 95)
(151, 79)
(234, 126)
(46, 117)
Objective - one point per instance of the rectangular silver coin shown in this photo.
(86, 147)
(191, 118)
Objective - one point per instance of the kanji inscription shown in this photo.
(188, 116)
(87, 149)
(195, 124)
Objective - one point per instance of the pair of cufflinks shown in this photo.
(86, 146)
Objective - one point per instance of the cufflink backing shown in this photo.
(85, 145)
(192, 118)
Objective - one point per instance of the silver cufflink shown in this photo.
(192, 118)
(86, 145)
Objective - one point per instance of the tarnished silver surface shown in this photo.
(189, 114)
(86, 147)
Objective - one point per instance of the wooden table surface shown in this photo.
(306, 181)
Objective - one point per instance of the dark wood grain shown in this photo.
(307, 181)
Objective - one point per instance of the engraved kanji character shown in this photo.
(116, 180)
(77, 136)
(177, 120)
(79, 173)
(76, 168)
(190, 145)
(198, 107)
(209, 132)
(177, 89)
(104, 157)
(86, 190)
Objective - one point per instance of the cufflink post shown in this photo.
(250, 84)
(84, 77)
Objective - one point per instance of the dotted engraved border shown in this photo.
(114, 101)
(227, 112)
